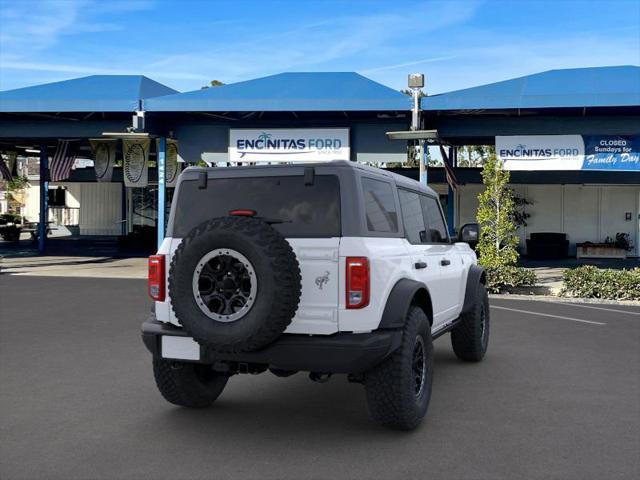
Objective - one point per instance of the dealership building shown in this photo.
(571, 139)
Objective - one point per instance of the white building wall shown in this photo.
(32, 202)
(583, 212)
(73, 195)
(100, 208)
(615, 203)
(581, 215)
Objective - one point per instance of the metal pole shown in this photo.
(415, 93)
(162, 190)
(421, 153)
(44, 199)
(423, 162)
(453, 159)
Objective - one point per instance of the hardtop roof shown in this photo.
(298, 169)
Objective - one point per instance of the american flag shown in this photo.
(4, 170)
(62, 161)
(448, 170)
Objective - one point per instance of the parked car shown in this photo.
(327, 268)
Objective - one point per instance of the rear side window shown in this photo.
(302, 210)
(380, 206)
(436, 228)
(412, 217)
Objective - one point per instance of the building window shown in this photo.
(57, 197)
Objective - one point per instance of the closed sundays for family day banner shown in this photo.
(569, 152)
(289, 144)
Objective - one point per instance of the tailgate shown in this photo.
(318, 309)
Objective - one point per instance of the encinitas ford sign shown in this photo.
(541, 152)
(289, 145)
(569, 152)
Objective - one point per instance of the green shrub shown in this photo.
(592, 282)
(503, 277)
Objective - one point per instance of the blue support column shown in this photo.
(44, 199)
(453, 159)
(162, 189)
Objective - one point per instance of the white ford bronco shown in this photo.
(325, 268)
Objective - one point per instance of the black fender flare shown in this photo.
(400, 299)
(475, 277)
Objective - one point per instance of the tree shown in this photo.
(15, 194)
(213, 83)
(474, 155)
(496, 213)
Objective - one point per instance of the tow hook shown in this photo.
(319, 377)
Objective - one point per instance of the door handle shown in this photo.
(419, 265)
(445, 262)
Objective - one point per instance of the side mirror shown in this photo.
(469, 233)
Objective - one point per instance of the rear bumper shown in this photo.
(338, 353)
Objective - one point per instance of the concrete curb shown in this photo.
(534, 290)
(555, 299)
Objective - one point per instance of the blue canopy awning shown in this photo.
(288, 92)
(577, 87)
(96, 93)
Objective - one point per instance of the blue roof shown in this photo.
(299, 92)
(96, 93)
(577, 87)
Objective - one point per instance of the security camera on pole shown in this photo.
(416, 83)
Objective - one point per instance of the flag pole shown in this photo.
(453, 161)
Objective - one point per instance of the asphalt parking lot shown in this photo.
(558, 396)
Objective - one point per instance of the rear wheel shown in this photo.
(399, 389)
(470, 338)
(188, 384)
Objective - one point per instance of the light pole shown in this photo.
(416, 83)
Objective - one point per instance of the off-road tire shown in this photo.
(185, 384)
(470, 338)
(390, 386)
(278, 279)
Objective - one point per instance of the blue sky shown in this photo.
(184, 44)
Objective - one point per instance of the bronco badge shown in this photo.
(322, 280)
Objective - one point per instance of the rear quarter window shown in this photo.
(303, 210)
(379, 206)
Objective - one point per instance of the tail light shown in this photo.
(358, 281)
(155, 284)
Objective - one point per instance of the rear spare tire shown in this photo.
(234, 284)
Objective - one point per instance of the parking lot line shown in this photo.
(530, 312)
(616, 310)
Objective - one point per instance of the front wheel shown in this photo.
(399, 389)
(188, 384)
(470, 338)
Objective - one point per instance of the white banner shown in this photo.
(289, 145)
(173, 167)
(136, 162)
(541, 152)
(104, 157)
